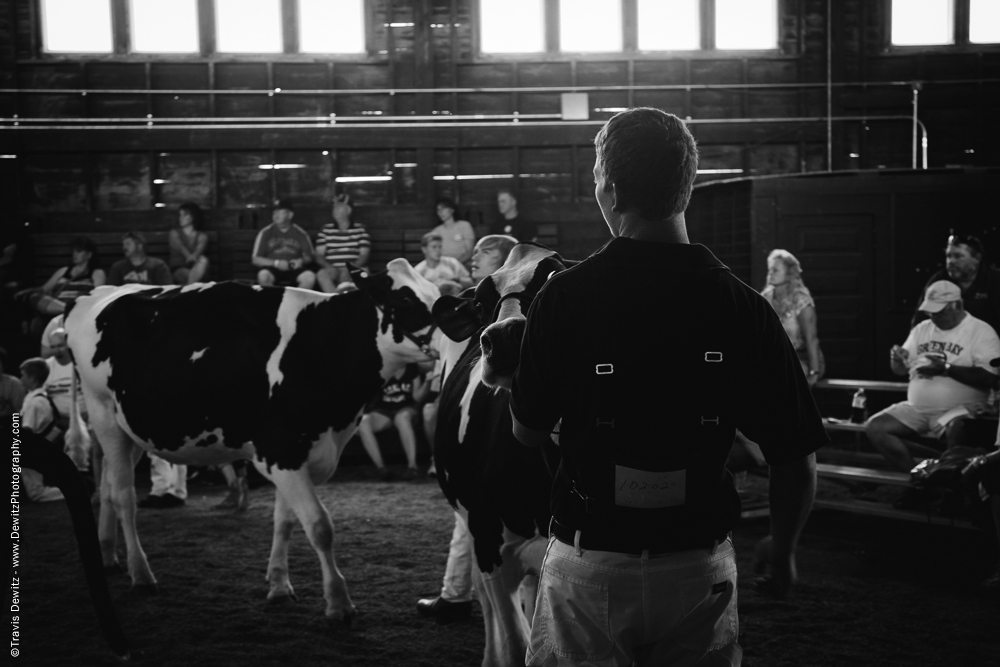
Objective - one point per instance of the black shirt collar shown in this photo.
(682, 255)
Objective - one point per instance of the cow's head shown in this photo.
(498, 309)
(405, 299)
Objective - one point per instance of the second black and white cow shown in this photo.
(499, 487)
(208, 374)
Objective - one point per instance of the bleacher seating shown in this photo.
(229, 250)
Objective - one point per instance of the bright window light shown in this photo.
(922, 22)
(512, 26)
(248, 26)
(746, 24)
(164, 26)
(669, 25)
(984, 21)
(592, 26)
(331, 26)
(77, 26)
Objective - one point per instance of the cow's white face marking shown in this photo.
(393, 355)
(475, 377)
(198, 355)
(288, 311)
(514, 276)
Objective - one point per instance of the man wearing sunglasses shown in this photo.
(965, 266)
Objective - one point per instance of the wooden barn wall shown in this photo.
(867, 241)
(127, 178)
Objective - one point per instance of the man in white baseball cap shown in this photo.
(947, 358)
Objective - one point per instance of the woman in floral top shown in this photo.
(791, 299)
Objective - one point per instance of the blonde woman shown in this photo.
(791, 299)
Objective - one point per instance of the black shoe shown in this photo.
(917, 499)
(386, 475)
(443, 611)
(151, 502)
(410, 475)
(170, 500)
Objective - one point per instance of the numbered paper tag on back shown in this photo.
(649, 490)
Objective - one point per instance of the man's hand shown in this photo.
(898, 355)
(282, 264)
(933, 368)
(295, 264)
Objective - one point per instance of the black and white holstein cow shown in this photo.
(498, 486)
(207, 374)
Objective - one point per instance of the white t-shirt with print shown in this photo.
(973, 343)
(448, 268)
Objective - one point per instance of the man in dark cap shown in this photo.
(138, 267)
(965, 265)
(283, 251)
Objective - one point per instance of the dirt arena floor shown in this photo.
(872, 592)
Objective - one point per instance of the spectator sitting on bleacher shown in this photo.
(511, 222)
(457, 236)
(283, 251)
(397, 405)
(948, 361)
(68, 283)
(338, 244)
(138, 267)
(38, 416)
(188, 245)
(11, 391)
(965, 265)
(439, 268)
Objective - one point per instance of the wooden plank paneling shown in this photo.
(242, 182)
(188, 177)
(123, 181)
(56, 182)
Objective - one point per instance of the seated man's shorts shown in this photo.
(923, 422)
(286, 278)
(382, 418)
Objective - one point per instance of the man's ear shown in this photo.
(614, 200)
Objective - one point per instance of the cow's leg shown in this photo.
(118, 498)
(299, 492)
(507, 626)
(277, 566)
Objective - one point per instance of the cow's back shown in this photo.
(226, 364)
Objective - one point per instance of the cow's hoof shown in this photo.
(284, 598)
(345, 618)
(114, 569)
(146, 590)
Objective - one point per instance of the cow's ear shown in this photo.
(456, 317)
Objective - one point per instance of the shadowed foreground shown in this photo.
(873, 592)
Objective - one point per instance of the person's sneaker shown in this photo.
(151, 502)
(409, 475)
(386, 475)
(916, 499)
(432, 471)
(170, 500)
(443, 611)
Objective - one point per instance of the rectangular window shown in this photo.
(331, 26)
(590, 26)
(984, 21)
(164, 26)
(512, 26)
(669, 25)
(248, 26)
(923, 22)
(77, 26)
(746, 24)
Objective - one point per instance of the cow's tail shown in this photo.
(77, 439)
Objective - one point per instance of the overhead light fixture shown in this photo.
(472, 177)
(720, 171)
(159, 181)
(405, 165)
(8, 157)
(281, 166)
(362, 179)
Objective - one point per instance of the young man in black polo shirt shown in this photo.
(653, 354)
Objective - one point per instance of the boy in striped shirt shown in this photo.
(338, 244)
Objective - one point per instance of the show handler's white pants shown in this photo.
(457, 583)
(167, 478)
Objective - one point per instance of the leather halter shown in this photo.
(511, 295)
